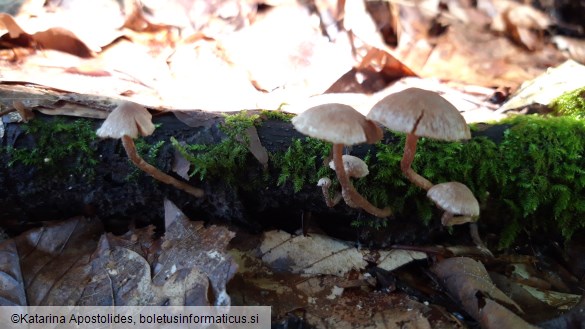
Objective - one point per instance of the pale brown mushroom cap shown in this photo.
(436, 117)
(335, 123)
(128, 119)
(354, 166)
(455, 198)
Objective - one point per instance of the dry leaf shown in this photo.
(393, 259)
(56, 38)
(467, 280)
(522, 23)
(295, 59)
(495, 316)
(325, 301)
(314, 254)
(74, 263)
(548, 86)
(120, 276)
(187, 245)
(50, 259)
(13, 291)
(575, 47)
(319, 254)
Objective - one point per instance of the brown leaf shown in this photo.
(375, 72)
(120, 276)
(187, 245)
(569, 320)
(53, 38)
(467, 280)
(295, 61)
(496, 316)
(51, 256)
(13, 29)
(522, 23)
(325, 301)
(63, 40)
(74, 263)
(13, 291)
(314, 254)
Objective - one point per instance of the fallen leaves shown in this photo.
(75, 263)
(190, 56)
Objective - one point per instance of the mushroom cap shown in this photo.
(337, 123)
(420, 112)
(455, 198)
(127, 119)
(325, 181)
(354, 166)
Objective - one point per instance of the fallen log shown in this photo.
(525, 172)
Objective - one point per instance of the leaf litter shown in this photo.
(74, 262)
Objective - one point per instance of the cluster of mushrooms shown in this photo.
(416, 112)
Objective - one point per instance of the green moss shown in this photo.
(301, 164)
(534, 179)
(148, 152)
(224, 159)
(59, 143)
(277, 115)
(544, 172)
(571, 103)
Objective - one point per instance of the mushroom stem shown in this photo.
(474, 232)
(350, 195)
(406, 162)
(154, 172)
(325, 184)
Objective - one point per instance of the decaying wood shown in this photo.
(29, 194)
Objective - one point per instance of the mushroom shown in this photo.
(127, 121)
(354, 168)
(457, 199)
(342, 125)
(419, 113)
(325, 184)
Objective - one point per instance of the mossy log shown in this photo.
(527, 173)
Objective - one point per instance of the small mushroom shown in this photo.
(127, 121)
(342, 125)
(354, 168)
(455, 199)
(325, 184)
(419, 113)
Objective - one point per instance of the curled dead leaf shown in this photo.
(468, 281)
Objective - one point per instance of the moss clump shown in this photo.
(301, 164)
(226, 158)
(277, 115)
(533, 179)
(571, 103)
(542, 185)
(60, 143)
